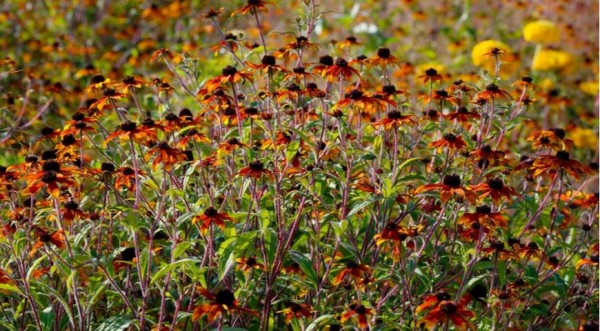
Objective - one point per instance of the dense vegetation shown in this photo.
(299, 165)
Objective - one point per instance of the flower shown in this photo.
(447, 311)
(255, 169)
(130, 130)
(57, 238)
(395, 119)
(229, 75)
(589, 87)
(547, 59)
(450, 187)
(252, 5)
(340, 70)
(483, 52)
(353, 269)
(51, 175)
(541, 31)
(550, 164)
(361, 313)
(384, 58)
(126, 178)
(166, 155)
(431, 75)
(492, 91)
(366, 104)
(450, 141)
(496, 189)
(247, 264)
(296, 310)
(222, 302)
(267, 64)
(211, 216)
(483, 219)
(584, 138)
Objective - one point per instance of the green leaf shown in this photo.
(319, 322)
(306, 267)
(115, 323)
(10, 288)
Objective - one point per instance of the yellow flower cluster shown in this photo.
(547, 59)
(542, 32)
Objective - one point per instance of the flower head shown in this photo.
(541, 31)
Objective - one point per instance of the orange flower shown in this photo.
(268, 65)
(384, 58)
(299, 74)
(486, 156)
(450, 187)
(395, 119)
(353, 269)
(463, 115)
(349, 42)
(482, 219)
(255, 170)
(447, 311)
(450, 141)
(439, 95)
(498, 248)
(57, 238)
(71, 212)
(211, 216)
(130, 130)
(229, 75)
(247, 264)
(5, 278)
(107, 99)
(296, 310)
(361, 102)
(495, 189)
(126, 178)
(550, 164)
(592, 260)
(361, 313)
(431, 75)
(51, 176)
(553, 138)
(166, 155)
(222, 302)
(252, 6)
(492, 91)
(340, 70)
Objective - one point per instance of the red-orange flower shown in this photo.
(482, 220)
(130, 130)
(431, 75)
(57, 238)
(268, 64)
(340, 70)
(354, 270)
(448, 311)
(496, 189)
(211, 216)
(361, 312)
(450, 187)
(247, 264)
(166, 155)
(492, 91)
(220, 303)
(297, 311)
(384, 58)
(252, 5)
(395, 119)
(255, 169)
(358, 100)
(229, 75)
(550, 165)
(450, 141)
(51, 175)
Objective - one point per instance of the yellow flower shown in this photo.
(423, 67)
(590, 88)
(481, 53)
(584, 138)
(542, 31)
(547, 59)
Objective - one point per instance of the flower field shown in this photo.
(299, 165)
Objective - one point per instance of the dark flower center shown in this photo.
(361, 57)
(394, 115)
(31, 159)
(452, 181)
(269, 60)
(351, 265)
(71, 205)
(127, 171)
(532, 246)
(390, 226)
(210, 212)
(448, 307)
(49, 155)
(475, 226)
(389, 89)
(110, 92)
(185, 113)
(301, 39)
(171, 117)
(299, 70)
(128, 126)
(46, 131)
(225, 297)
(326, 60)
(45, 237)
(495, 184)
(483, 209)
(254, 2)
(594, 258)
(293, 87)
(384, 52)
(479, 291)
(230, 37)
(129, 80)
(492, 88)
(486, 149)
(80, 125)
(49, 177)
(51, 166)
(430, 72)
(256, 165)
(351, 39)
(163, 145)
(311, 86)
(449, 137)
(233, 141)
(442, 93)
(251, 261)
(229, 71)
(463, 110)
(544, 140)
(68, 140)
(148, 121)
(98, 79)
(128, 254)
(229, 111)
(432, 113)
(295, 307)
(107, 166)
(527, 79)
(458, 82)
(442, 295)
(519, 282)
(78, 116)
(497, 245)
(355, 94)
(360, 309)
(560, 133)
(341, 62)
(562, 155)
